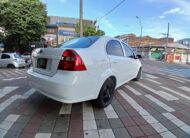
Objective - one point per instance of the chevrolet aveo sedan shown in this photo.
(87, 68)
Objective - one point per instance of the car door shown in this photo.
(118, 62)
(5, 59)
(131, 59)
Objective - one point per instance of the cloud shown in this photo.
(162, 17)
(63, 1)
(174, 11)
(108, 27)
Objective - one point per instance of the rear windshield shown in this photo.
(83, 42)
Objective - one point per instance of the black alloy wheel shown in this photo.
(106, 94)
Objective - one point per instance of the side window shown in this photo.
(114, 48)
(128, 51)
(5, 56)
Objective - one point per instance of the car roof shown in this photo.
(110, 38)
(9, 53)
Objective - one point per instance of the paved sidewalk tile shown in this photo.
(103, 124)
(59, 135)
(135, 131)
(148, 130)
(121, 133)
(116, 123)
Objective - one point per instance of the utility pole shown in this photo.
(167, 40)
(168, 31)
(81, 18)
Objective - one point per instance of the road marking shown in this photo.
(149, 118)
(19, 72)
(178, 122)
(10, 100)
(156, 82)
(65, 109)
(110, 112)
(106, 133)
(5, 74)
(159, 103)
(11, 73)
(176, 80)
(89, 122)
(174, 72)
(187, 89)
(162, 94)
(151, 76)
(133, 90)
(175, 92)
(168, 96)
(179, 78)
(6, 90)
(7, 124)
(15, 78)
(43, 135)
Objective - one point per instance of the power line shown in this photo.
(111, 10)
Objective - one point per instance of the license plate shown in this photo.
(42, 63)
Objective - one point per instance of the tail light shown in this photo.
(71, 61)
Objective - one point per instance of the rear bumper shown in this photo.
(66, 87)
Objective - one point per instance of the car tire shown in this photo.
(106, 94)
(138, 75)
(11, 66)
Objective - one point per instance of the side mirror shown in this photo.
(138, 56)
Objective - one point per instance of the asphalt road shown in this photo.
(156, 106)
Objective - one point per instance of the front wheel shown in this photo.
(11, 66)
(138, 75)
(106, 94)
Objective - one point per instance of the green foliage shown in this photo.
(89, 30)
(23, 20)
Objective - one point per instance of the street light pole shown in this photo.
(138, 18)
(81, 18)
(141, 28)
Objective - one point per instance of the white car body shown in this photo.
(77, 86)
(11, 60)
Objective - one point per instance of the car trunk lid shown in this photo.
(46, 60)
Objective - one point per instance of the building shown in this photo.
(134, 40)
(185, 42)
(60, 29)
(174, 53)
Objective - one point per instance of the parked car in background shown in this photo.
(27, 58)
(87, 68)
(11, 60)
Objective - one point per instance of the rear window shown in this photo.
(83, 42)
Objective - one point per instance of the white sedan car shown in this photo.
(87, 68)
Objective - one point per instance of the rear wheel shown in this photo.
(106, 94)
(138, 75)
(11, 66)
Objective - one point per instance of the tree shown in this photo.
(89, 30)
(23, 21)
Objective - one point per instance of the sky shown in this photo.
(154, 15)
